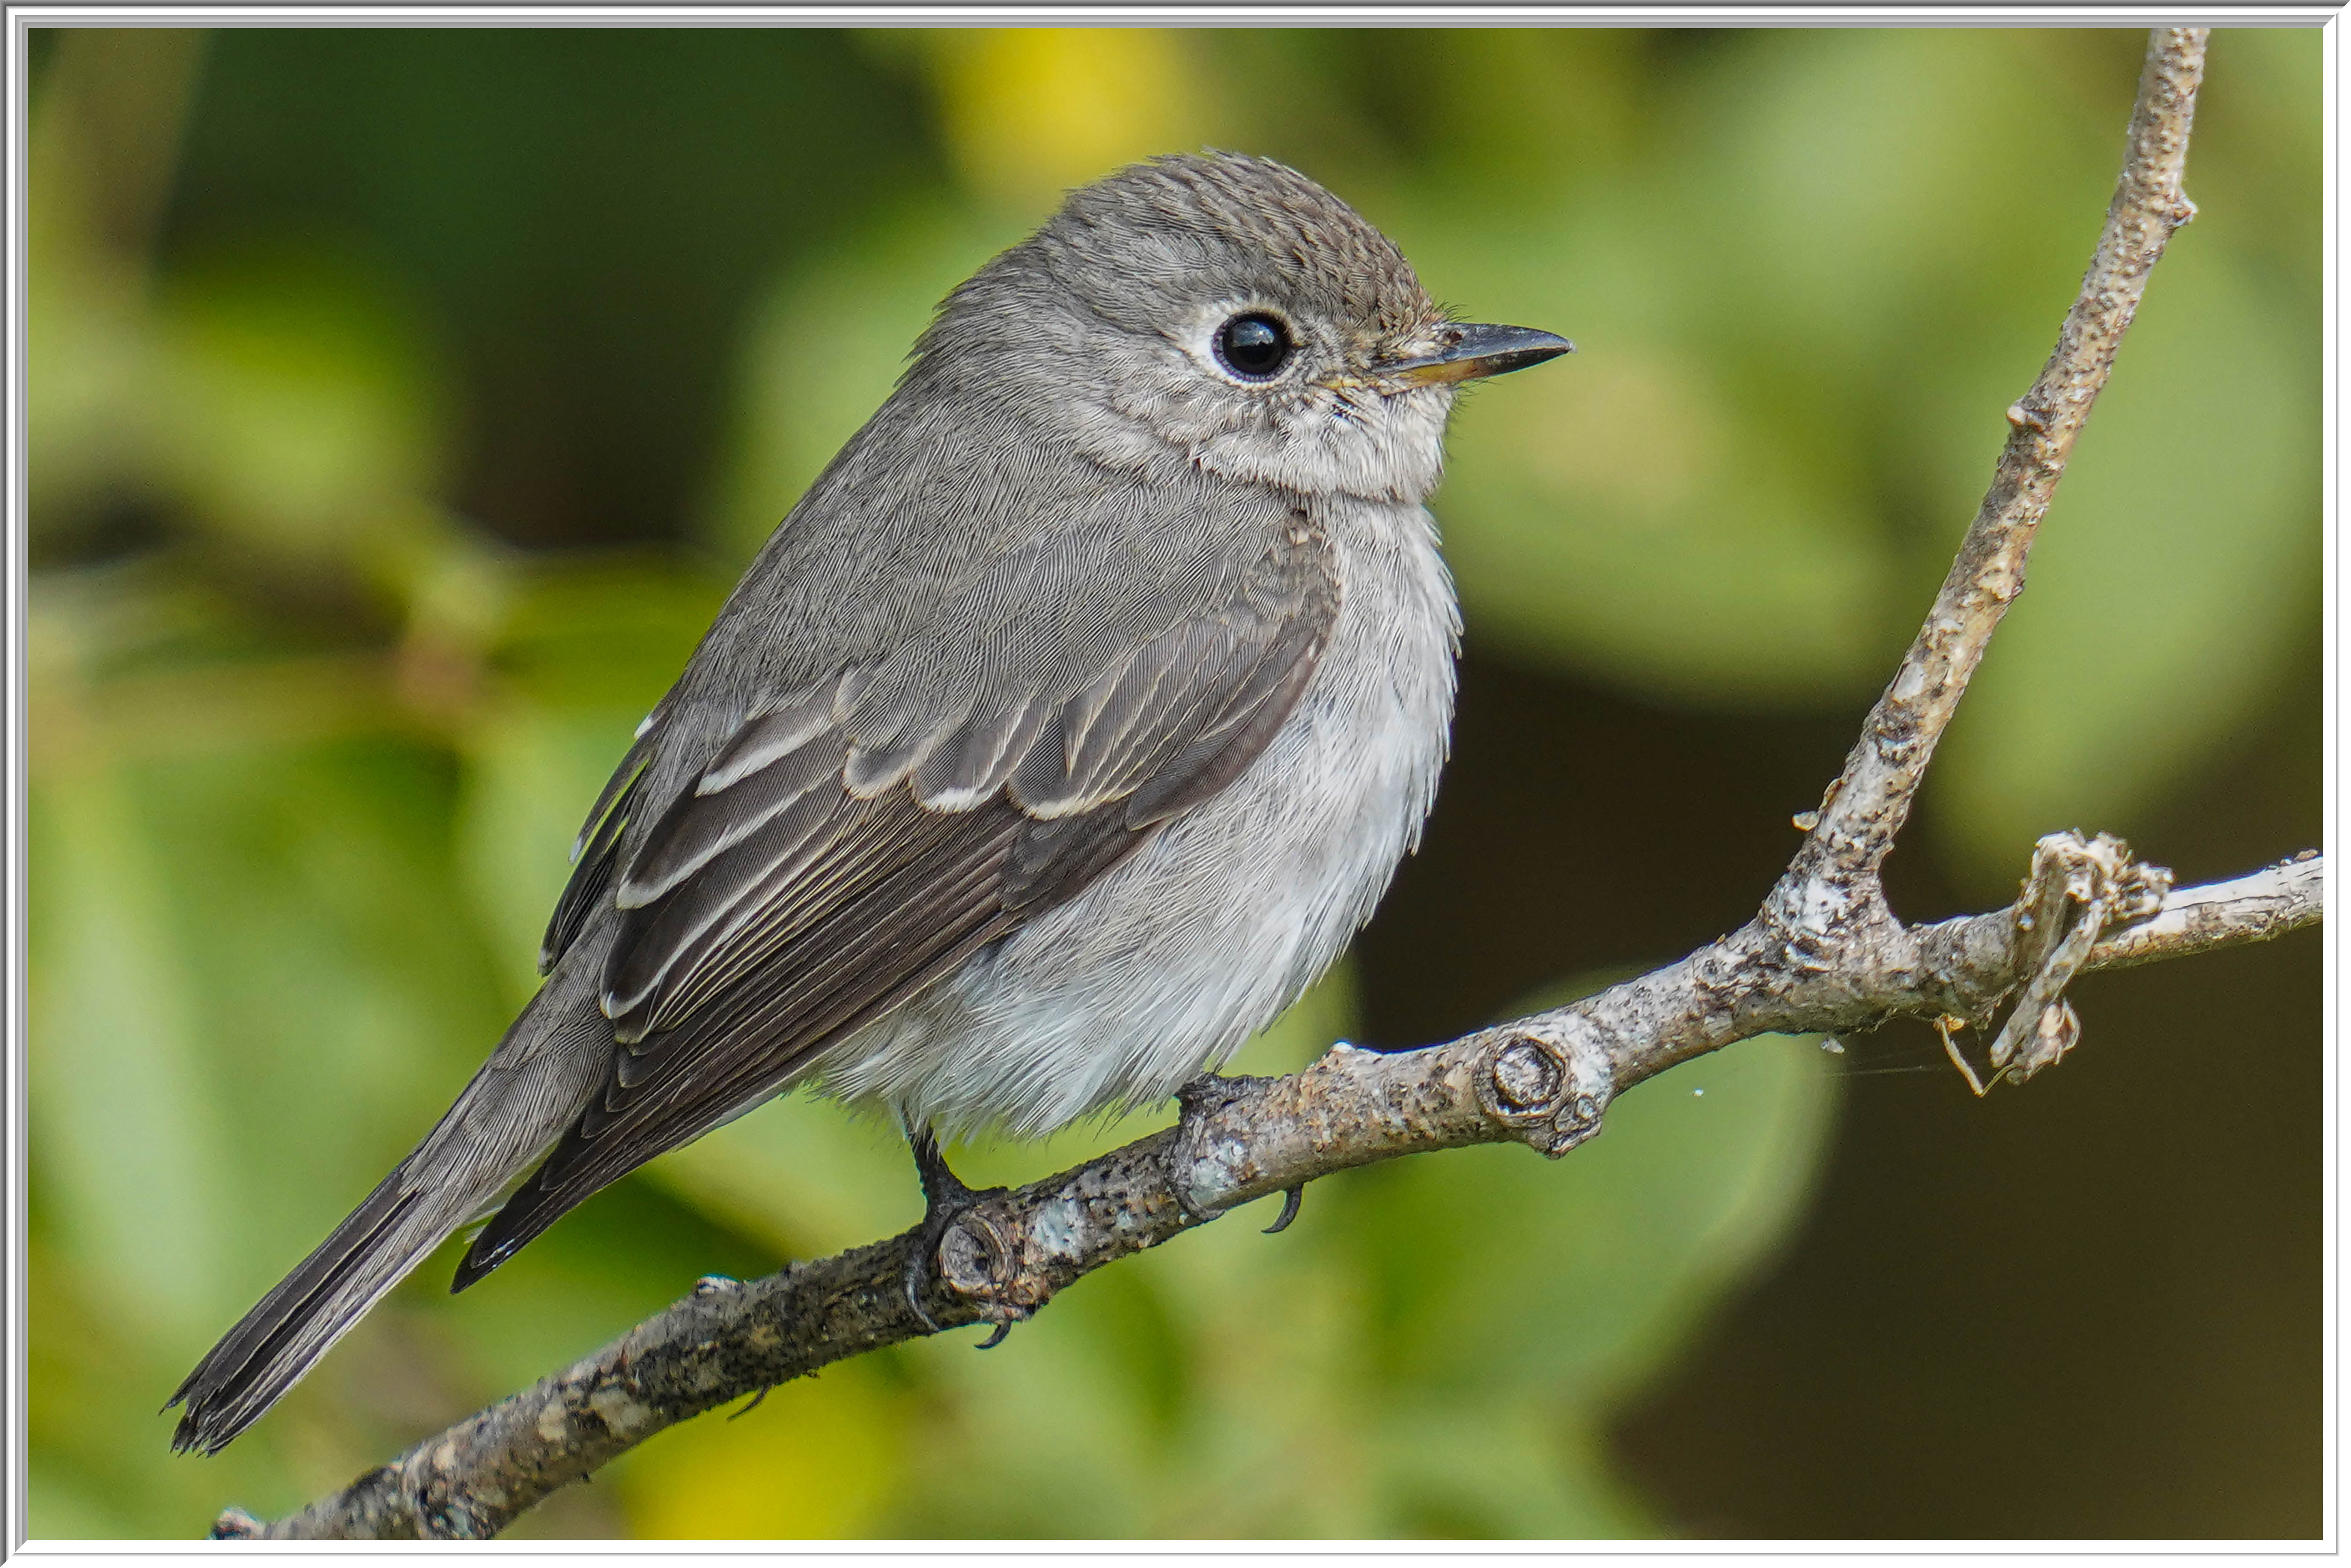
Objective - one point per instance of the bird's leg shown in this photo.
(945, 1199)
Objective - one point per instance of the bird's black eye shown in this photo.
(1254, 346)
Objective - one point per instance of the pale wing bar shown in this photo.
(774, 908)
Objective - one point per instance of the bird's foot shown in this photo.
(1208, 1091)
(1204, 1095)
(946, 1200)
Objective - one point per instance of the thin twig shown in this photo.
(1865, 807)
(1824, 954)
(2268, 903)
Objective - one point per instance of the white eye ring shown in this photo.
(1253, 346)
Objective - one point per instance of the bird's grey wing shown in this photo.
(836, 854)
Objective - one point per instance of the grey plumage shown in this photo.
(1061, 734)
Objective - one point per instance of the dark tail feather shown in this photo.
(267, 1351)
(530, 1088)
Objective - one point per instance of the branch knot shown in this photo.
(1547, 1081)
(975, 1258)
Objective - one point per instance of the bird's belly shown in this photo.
(1182, 951)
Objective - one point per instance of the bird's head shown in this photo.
(1232, 311)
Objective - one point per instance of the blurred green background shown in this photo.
(403, 400)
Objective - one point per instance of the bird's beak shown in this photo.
(1470, 351)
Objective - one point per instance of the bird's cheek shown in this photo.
(1412, 433)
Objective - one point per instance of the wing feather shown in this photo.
(696, 832)
(832, 857)
(973, 763)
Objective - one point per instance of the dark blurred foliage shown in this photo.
(404, 400)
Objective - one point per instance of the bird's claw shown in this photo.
(1290, 1199)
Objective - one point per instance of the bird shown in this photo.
(1062, 733)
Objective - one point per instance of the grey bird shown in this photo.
(1059, 737)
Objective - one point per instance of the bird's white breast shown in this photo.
(1182, 951)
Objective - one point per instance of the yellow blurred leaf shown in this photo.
(817, 1460)
(1031, 112)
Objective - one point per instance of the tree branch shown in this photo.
(1823, 953)
(1543, 1081)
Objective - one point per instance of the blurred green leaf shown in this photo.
(127, 1142)
(1623, 518)
(2175, 575)
(530, 777)
(1497, 1274)
(298, 406)
(1632, 512)
(341, 966)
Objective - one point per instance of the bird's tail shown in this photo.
(520, 1101)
